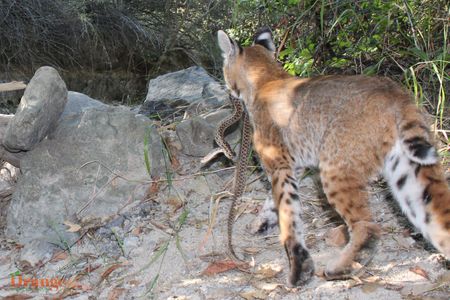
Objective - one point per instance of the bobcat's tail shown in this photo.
(417, 181)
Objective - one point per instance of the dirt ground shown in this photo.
(174, 247)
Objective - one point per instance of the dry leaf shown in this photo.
(134, 282)
(109, 271)
(368, 288)
(255, 294)
(159, 225)
(252, 251)
(393, 287)
(419, 289)
(172, 150)
(89, 223)
(268, 287)
(58, 256)
(136, 231)
(153, 189)
(86, 287)
(17, 297)
(91, 268)
(73, 284)
(211, 257)
(419, 271)
(115, 293)
(25, 266)
(267, 271)
(66, 294)
(337, 236)
(175, 163)
(373, 279)
(175, 202)
(220, 267)
(320, 272)
(72, 227)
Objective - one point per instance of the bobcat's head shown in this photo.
(243, 68)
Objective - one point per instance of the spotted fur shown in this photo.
(352, 128)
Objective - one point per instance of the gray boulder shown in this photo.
(183, 88)
(78, 102)
(196, 135)
(88, 167)
(39, 110)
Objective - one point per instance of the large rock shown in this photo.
(78, 102)
(93, 159)
(192, 86)
(38, 112)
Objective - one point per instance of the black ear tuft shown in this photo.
(264, 38)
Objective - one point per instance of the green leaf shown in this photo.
(419, 53)
(322, 10)
(182, 218)
(370, 70)
(153, 284)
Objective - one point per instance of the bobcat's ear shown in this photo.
(264, 38)
(228, 46)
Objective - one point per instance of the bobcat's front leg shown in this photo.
(287, 203)
(279, 165)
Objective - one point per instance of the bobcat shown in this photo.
(351, 128)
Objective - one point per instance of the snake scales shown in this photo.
(240, 171)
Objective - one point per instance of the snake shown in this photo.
(240, 174)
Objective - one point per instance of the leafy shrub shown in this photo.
(404, 39)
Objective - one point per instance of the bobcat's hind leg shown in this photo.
(347, 194)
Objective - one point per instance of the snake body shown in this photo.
(238, 110)
(241, 167)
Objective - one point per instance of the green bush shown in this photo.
(403, 39)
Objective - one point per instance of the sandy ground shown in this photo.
(173, 247)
